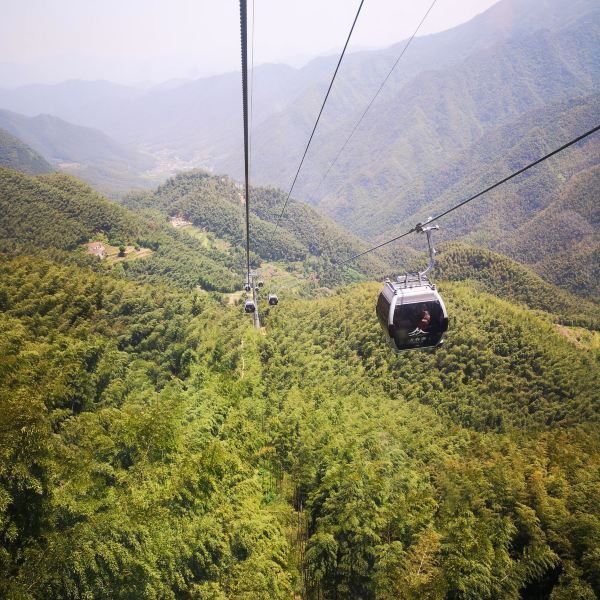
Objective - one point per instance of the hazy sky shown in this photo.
(156, 40)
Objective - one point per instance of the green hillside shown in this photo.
(505, 278)
(153, 441)
(47, 212)
(215, 203)
(14, 154)
(464, 108)
(59, 212)
(437, 135)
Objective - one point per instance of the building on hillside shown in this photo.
(178, 221)
(96, 249)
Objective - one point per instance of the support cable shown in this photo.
(357, 124)
(320, 112)
(419, 226)
(251, 89)
(244, 43)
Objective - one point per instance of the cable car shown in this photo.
(260, 283)
(248, 287)
(411, 311)
(249, 307)
(273, 299)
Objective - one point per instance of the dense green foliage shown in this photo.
(153, 443)
(59, 211)
(115, 482)
(409, 487)
(14, 154)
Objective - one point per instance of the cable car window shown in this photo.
(383, 310)
(418, 325)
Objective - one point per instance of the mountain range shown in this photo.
(155, 444)
(83, 151)
(462, 109)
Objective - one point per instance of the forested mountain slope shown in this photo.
(505, 278)
(153, 441)
(556, 193)
(59, 212)
(37, 212)
(495, 155)
(562, 241)
(14, 154)
(216, 203)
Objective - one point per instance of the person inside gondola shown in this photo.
(424, 320)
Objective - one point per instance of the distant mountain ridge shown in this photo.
(80, 150)
(203, 117)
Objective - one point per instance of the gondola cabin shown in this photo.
(249, 307)
(273, 299)
(412, 313)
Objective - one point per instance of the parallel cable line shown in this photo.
(244, 43)
(479, 194)
(320, 112)
(251, 87)
(360, 120)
